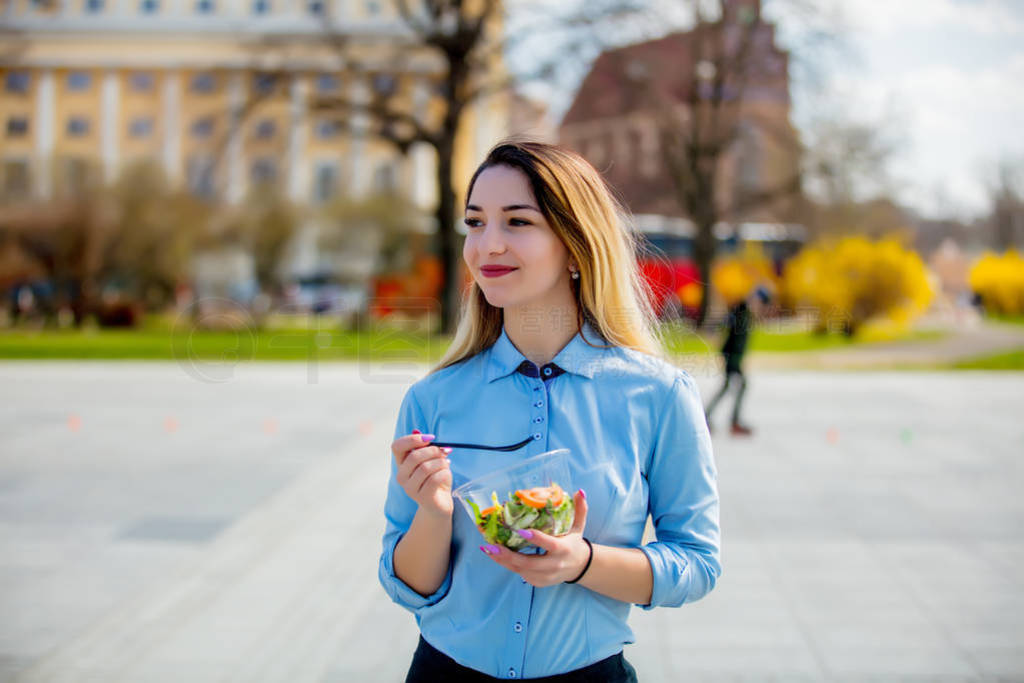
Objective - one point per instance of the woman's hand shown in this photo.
(424, 473)
(565, 558)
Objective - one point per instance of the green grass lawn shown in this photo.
(1007, 360)
(684, 342)
(1007, 318)
(275, 345)
(157, 341)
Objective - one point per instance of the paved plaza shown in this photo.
(164, 523)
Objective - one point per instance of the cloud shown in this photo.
(985, 17)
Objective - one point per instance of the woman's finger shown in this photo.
(418, 456)
(579, 521)
(539, 538)
(435, 476)
(424, 470)
(403, 446)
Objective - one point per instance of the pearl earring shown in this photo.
(575, 275)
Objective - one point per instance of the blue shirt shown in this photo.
(639, 444)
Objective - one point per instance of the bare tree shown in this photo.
(468, 39)
(703, 113)
(1007, 195)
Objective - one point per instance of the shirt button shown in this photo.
(547, 371)
(538, 404)
(511, 673)
(518, 628)
(536, 436)
(538, 420)
(536, 388)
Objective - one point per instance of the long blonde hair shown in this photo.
(610, 293)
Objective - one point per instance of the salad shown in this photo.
(545, 508)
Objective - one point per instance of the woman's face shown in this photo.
(515, 257)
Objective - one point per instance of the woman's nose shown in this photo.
(491, 240)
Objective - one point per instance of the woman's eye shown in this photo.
(472, 222)
(519, 221)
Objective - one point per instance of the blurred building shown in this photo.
(617, 121)
(221, 93)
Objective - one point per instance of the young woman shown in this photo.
(555, 349)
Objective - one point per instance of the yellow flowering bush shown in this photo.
(736, 275)
(855, 280)
(999, 279)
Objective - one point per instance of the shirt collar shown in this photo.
(577, 357)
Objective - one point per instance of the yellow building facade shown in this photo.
(223, 94)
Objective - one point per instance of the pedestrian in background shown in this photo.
(738, 324)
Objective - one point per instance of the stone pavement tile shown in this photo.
(1007, 556)
(745, 663)
(272, 570)
(378, 650)
(921, 663)
(1002, 663)
(649, 654)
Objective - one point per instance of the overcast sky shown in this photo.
(947, 78)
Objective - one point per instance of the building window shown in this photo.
(384, 84)
(200, 177)
(325, 182)
(264, 172)
(141, 81)
(265, 129)
(263, 84)
(78, 126)
(203, 128)
(79, 81)
(18, 81)
(204, 6)
(326, 83)
(149, 6)
(260, 6)
(384, 179)
(327, 129)
(17, 126)
(204, 83)
(316, 7)
(141, 127)
(17, 180)
(93, 6)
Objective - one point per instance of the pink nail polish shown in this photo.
(416, 431)
(446, 449)
(525, 533)
(583, 494)
(485, 550)
(427, 437)
(493, 549)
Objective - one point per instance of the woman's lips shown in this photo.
(495, 271)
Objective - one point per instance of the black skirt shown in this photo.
(430, 665)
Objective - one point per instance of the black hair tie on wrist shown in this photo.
(589, 559)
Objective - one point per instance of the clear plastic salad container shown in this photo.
(533, 494)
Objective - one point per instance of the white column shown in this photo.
(236, 175)
(424, 178)
(298, 169)
(361, 173)
(45, 129)
(172, 126)
(111, 125)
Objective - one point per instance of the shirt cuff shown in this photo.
(668, 568)
(400, 592)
